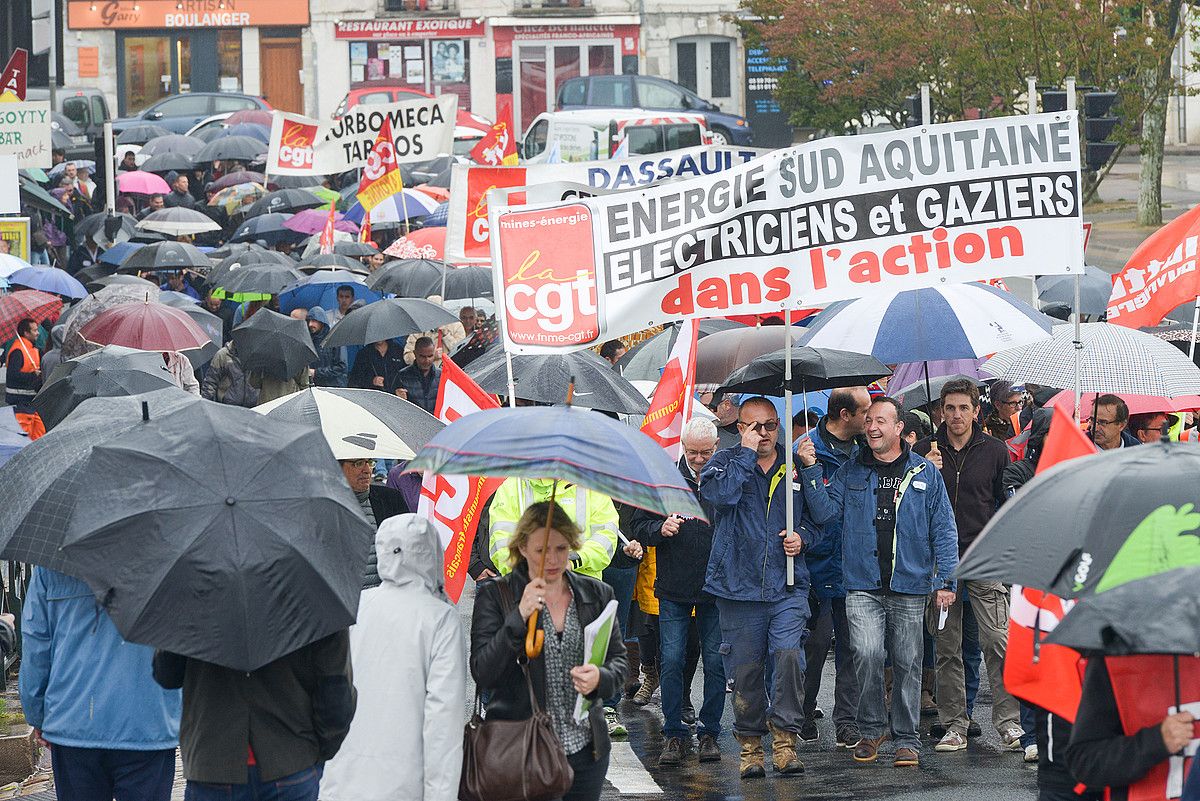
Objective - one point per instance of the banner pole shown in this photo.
(1069, 86)
(787, 452)
(1195, 325)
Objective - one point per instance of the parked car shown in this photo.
(85, 111)
(641, 91)
(469, 128)
(180, 112)
(592, 134)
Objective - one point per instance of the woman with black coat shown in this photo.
(567, 603)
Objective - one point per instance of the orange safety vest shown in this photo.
(1144, 689)
(33, 359)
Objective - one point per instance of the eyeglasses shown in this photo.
(768, 425)
(359, 464)
(1107, 423)
(697, 454)
(1016, 402)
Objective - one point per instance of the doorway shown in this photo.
(153, 65)
(543, 67)
(704, 64)
(282, 63)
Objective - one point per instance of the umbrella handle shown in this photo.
(534, 637)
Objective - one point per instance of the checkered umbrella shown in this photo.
(1113, 359)
(30, 303)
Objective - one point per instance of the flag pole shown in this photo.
(1079, 348)
(789, 500)
(1195, 325)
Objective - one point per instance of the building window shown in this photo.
(704, 64)
(229, 61)
(404, 69)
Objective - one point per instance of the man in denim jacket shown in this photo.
(899, 545)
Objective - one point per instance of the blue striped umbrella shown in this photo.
(960, 321)
(440, 216)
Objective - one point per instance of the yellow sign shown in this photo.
(14, 236)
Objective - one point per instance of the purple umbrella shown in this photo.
(312, 221)
(913, 372)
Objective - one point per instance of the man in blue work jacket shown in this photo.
(747, 575)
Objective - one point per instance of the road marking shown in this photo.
(627, 773)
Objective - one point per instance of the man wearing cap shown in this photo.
(1005, 402)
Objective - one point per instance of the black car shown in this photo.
(179, 113)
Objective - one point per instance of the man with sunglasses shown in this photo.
(377, 501)
(747, 574)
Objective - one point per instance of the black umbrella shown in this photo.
(645, 360)
(94, 223)
(408, 278)
(231, 148)
(40, 484)
(88, 276)
(468, 283)
(1131, 516)
(1095, 287)
(296, 181)
(1156, 615)
(166, 256)
(350, 247)
(331, 261)
(266, 278)
(166, 162)
(234, 249)
(172, 143)
(918, 393)
(110, 371)
(812, 369)
(222, 535)
(141, 134)
(237, 261)
(267, 227)
(387, 319)
(119, 280)
(545, 378)
(275, 344)
(284, 200)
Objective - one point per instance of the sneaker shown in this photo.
(1031, 753)
(867, 750)
(709, 751)
(953, 741)
(818, 713)
(615, 727)
(1011, 737)
(672, 753)
(848, 736)
(974, 729)
(937, 730)
(808, 731)
(906, 758)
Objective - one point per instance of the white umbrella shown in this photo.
(9, 264)
(358, 423)
(178, 222)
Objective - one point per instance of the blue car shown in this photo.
(641, 91)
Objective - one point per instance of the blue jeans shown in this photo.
(883, 626)
(300, 786)
(102, 774)
(1028, 724)
(753, 632)
(674, 620)
(621, 579)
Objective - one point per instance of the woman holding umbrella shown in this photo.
(568, 602)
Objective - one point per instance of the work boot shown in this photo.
(750, 765)
(649, 685)
(709, 751)
(633, 657)
(928, 683)
(783, 751)
(672, 753)
(867, 749)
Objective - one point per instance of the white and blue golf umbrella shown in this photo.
(405, 205)
(960, 321)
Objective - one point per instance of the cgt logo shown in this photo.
(296, 141)
(549, 273)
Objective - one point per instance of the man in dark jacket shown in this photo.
(682, 550)
(179, 195)
(418, 383)
(245, 735)
(747, 571)
(329, 370)
(377, 501)
(837, 438)
(376, 366)
(972, 465)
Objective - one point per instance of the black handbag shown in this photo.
(513, 760)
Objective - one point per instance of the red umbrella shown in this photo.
(146, 326)
(254, 116)
(14, 307)
(1138, 404)
(425, 243)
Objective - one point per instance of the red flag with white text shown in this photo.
(454, 503)
(1160, 275)
(671, 405)
(498, 147)
(326, 240)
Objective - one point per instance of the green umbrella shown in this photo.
(325, 193)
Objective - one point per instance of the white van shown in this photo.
(596, 134)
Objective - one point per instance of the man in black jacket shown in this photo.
(376, 366)
(972, 464)
(246, 735)
(682, 550)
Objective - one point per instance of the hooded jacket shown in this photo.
(824, 559)
(747, 561)
(226, 382)
(330, 365)
(410, 670)
(81, 683)
(925, 549)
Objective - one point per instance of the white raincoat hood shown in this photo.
(410, 552)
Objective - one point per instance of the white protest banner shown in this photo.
(467, 227)
(829, 220)
(25, 132)
(10, 185)
(422, 130)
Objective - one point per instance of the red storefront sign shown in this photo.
(505, 36)
(389, 29)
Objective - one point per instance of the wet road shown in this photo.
(982, 773)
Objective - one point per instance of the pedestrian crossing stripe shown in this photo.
(627, 773)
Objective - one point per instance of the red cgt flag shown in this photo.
(454, 503)
(1050, 676)
(380, 176)
(671, 405)
(326, 240)
(499, 147)
(1159, 276)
